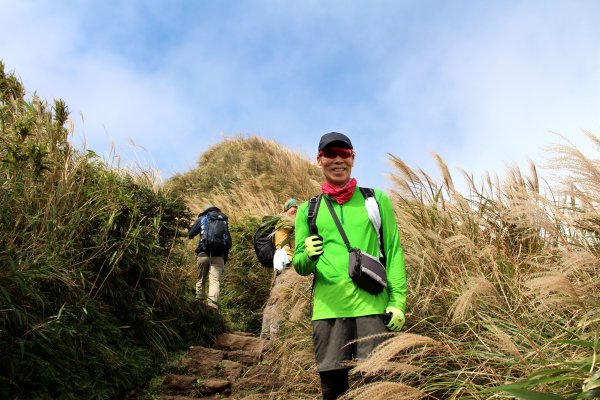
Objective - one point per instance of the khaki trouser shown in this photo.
(210, 268)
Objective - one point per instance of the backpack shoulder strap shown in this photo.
(377, 223)
(313, 209)
(367, 192)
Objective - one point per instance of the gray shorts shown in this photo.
(330, 337)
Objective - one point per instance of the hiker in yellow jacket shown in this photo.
(284, 245)
(342, 311)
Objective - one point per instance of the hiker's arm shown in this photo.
(395, 267)
(195, 229)
(282, 240)
(302, 263)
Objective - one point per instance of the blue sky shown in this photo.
(482, 83)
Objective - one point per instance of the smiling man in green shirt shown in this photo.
(342, 311)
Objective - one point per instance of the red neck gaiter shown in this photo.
(341, 195)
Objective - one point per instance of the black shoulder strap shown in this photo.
(368, 192)
(313, 210)
(338, 224)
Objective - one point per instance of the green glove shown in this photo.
(314, 246)
(396, 320)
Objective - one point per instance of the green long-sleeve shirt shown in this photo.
(335, 294)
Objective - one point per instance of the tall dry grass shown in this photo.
(503, 277)
(502, 289)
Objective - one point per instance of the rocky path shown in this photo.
(231, 369)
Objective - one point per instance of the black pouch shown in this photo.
(367, 272)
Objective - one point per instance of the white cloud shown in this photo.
(490, 96)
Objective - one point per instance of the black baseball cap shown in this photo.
(332, 137)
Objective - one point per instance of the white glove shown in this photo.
(280, 260)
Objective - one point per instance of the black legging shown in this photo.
(334, 383)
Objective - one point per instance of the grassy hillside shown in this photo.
(252, 175)
(93, 290)
(249, 178)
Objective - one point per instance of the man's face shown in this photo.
(336, 162)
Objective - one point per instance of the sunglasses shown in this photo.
(333, 152)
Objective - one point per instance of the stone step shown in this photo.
(231, 341)
(180, 383)
(233, 370)
(191, 385)
(242, 333)
(209, 397)
(215, 373)
(212, 386)
(203, 360)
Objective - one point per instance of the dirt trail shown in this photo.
(231, 369)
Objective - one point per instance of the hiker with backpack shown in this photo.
(211, 252)
(348, 238)
(282, 253)
(283, 236)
